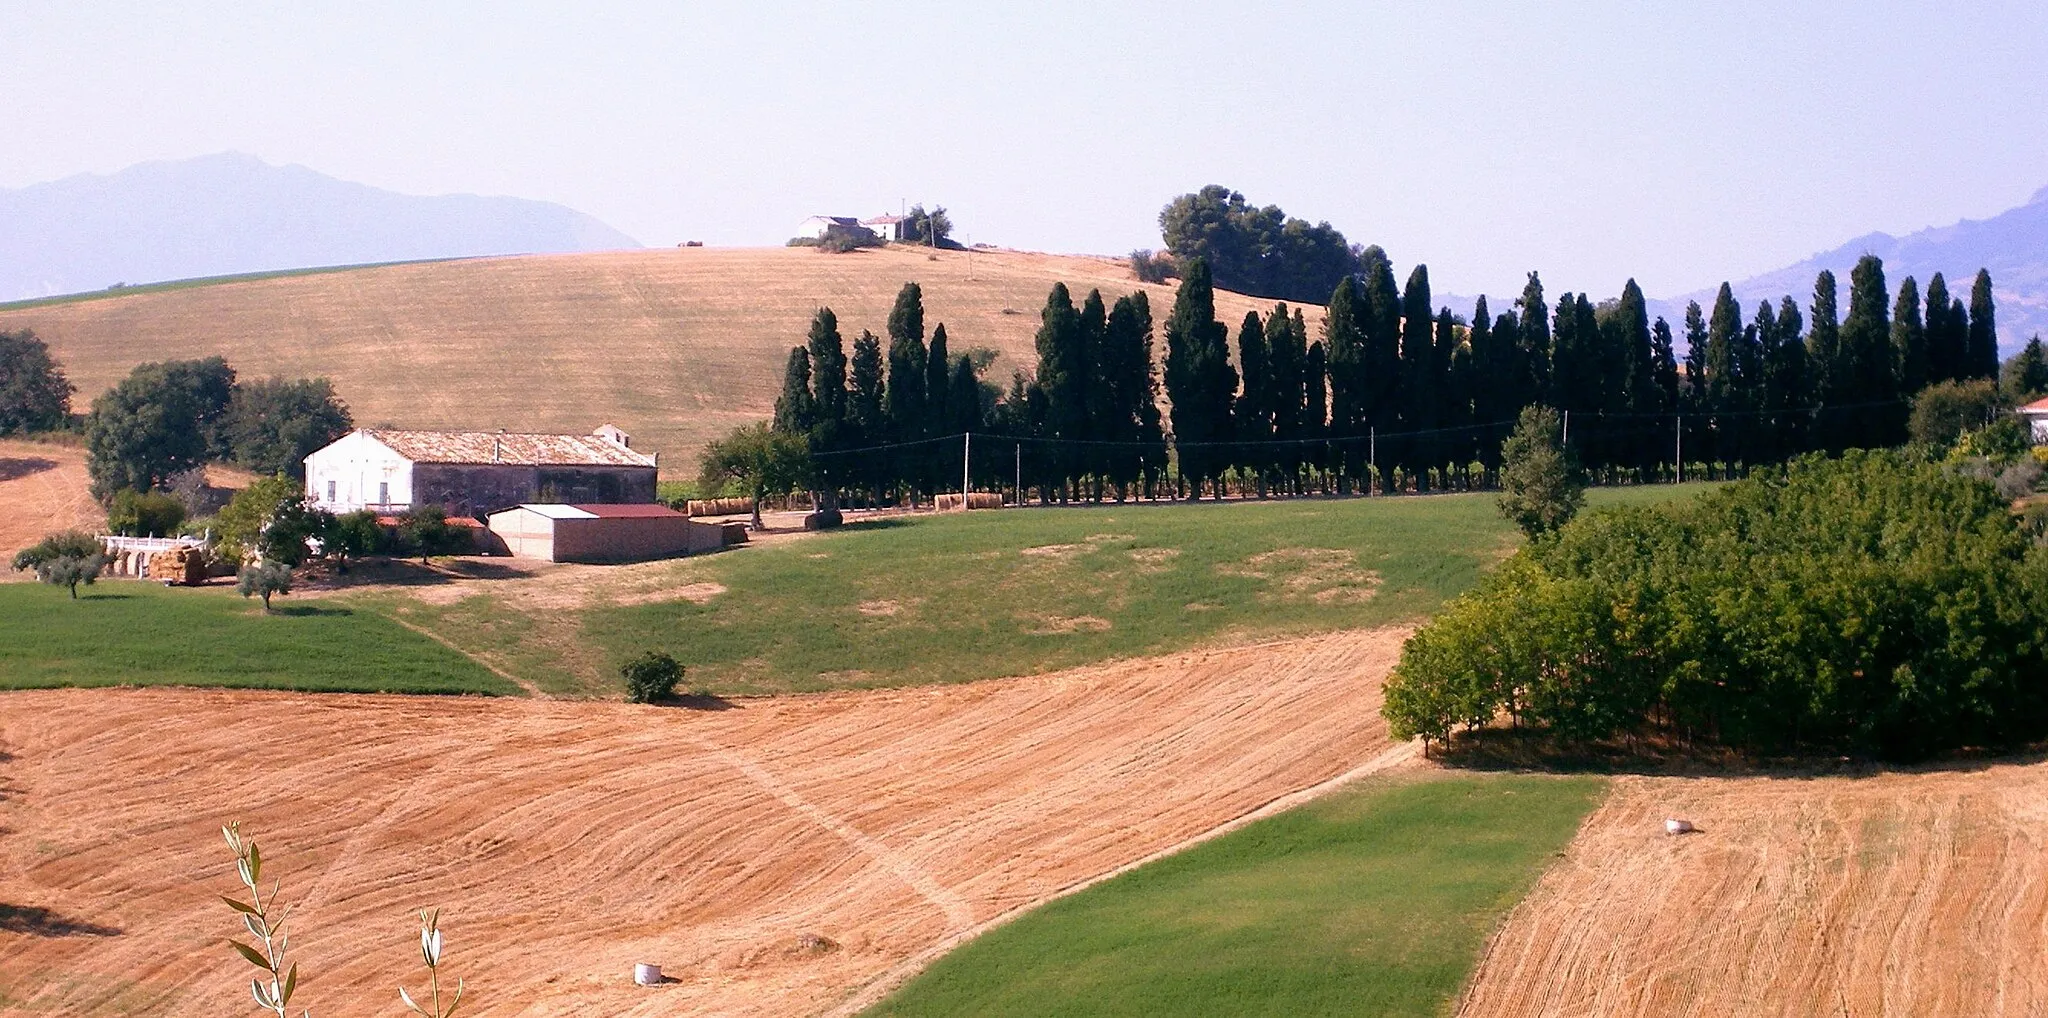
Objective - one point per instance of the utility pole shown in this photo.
(1567, 428)
(1678, 445)
(966, 451)
(1020, 476)
(1372, 455)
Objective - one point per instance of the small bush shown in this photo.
(651, 677)
(1153, 267)
(2020, 479)
(145, 514)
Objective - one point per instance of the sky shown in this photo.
(1676, 143)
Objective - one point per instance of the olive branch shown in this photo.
(265, 923)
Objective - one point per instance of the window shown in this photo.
(383, 492)
(330, 491)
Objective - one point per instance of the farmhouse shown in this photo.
(600, 533)
(2035, 416)
(817, 226)
(889, 228)
(470, 473)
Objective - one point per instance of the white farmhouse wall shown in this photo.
(813, 227)
(358, 471)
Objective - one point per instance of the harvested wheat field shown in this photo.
(777, 857)
(43, 488)
(676, 346)
(1900, 894)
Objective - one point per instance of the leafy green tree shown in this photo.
(64, 559)
(158, 422)
(352, 536)
(2025, 377)
(1540, 486)
(426, 529)
(934, 229)
(1983, 353)
(1200, 383)
(1944, 410)
(266, 580)
(757, 460)
(34, 394)
(1253, 250)
(243, 521)
(272, 425)
(139, 514)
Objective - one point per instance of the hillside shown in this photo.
(2012, 244)
(674, 345)
(233, 213)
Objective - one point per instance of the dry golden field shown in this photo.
(569, 840)
(1891, 895)
(43, 488)
(675, 345)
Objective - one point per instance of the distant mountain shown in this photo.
(233, 213)
(2012, 244)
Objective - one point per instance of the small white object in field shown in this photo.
(647, 975)
(1678, 827)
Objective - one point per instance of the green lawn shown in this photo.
(1374, 902)
(947, 598)
(121, 633)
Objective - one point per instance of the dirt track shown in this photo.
(43, 488)
(569, 840)
(1894, 895)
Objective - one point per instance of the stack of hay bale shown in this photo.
(720, 506)
(183, 566)
(975, 500)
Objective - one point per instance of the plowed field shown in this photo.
(1901, 894)
(43, 488)
(568, 841)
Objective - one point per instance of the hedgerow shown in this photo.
(1879, 604)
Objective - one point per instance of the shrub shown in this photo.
(1879, 604)
(651, 677)
(1944, 410)
(2020, 479)
(352, 536)
(64, 559)
(1540, 486)
(1152, 267)
(145, 514)
(264, 580)
(426, 530)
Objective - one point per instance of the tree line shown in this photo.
(1396, 393)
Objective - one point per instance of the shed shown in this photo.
(600, 533)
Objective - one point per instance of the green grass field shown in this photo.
(949, 598)
(1376, 901)
(139, 634)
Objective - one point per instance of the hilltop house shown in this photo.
(472, 473)
(889, 228)
(817, 226)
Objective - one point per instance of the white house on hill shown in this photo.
(889, 228)
(816, 226)
(471, 473)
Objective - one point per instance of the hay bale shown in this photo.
(1675, 827)
(975, 500)
(720, 506)
(181, 566)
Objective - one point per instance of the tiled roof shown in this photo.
(2038, 406)
(520, 450)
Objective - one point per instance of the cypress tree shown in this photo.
(937, 383)
(865, 410)
(793, 411)
(1507, 383)
(1699, 422)
(829, 404)
(1827, 369)
(2025, 378)
(1663, 368)
(1947, 348)
(1871, 383)
(1378, 375)
(1983, 328)
(1252, 420)
(1126, 378)
(1909, 339)
(1200, 383)
(1062, 377)
(1286, 350)
(1315, 410)
(1093, 338)
(963, 397)
(1344, 344)
(1790, 393)
(1633, 353)
(905, 399)
(1759, 434)
(1420, 396)
(1455, 450)
(1483, 382)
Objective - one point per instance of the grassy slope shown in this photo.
(944, 598)
(186, 284)
(675, 346)
(129, 633)
(1374, 902)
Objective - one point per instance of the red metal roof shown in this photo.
(639, 510)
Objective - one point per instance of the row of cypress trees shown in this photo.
(1393, 395)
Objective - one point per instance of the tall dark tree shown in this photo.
(1828, 375)
(1379, 376)
(1909, 339)
(1062, 377)
(1200, 383)
(1533, 344)
(1631, 352)
(1315, 423)
(794, 413)
(1092, 460)
(162, 420)
(909, 365)
(1286, 357)
(1870, 393)
(1419, 397)
(1487, 382)
(272, 425)
(1344, 343)
(1664, 367)
(1983, 358)
(1252, 418)
(1698, 422)
(2024, 378)
(938, 370)
(866, 412)
(1948, 340)
(1455, 451)
(830, 438)
(1126, 376)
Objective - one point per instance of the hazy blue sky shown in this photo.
(1677, 142)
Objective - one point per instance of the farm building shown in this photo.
(471, 473)
(600, 533)
(889, 228)
(817, 226)
(2035, 416)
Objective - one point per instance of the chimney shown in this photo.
(498, 447)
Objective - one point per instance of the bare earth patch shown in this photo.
(696, 593)
(566, 841)
(43, 488)
(1057, 550)
(1054, 625)
(1322, 575)
(1897, 894)
(1154, 560)
(879, 609)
